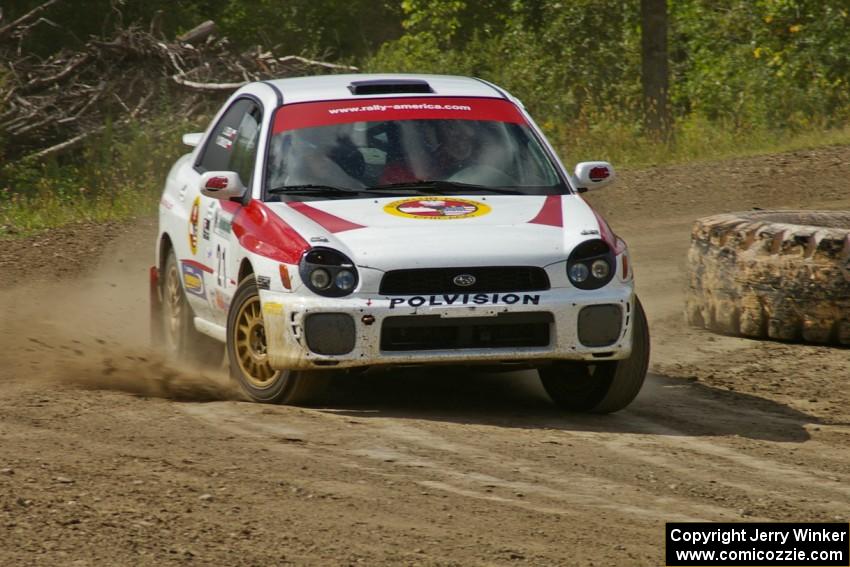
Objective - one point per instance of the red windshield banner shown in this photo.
(326, 113)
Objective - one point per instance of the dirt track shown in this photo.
(109, 457)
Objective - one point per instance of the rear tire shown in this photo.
(249, 366)
(180, 339)
(601, 387)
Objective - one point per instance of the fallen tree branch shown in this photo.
(199, 32)
(26, 17)
(324, 64)
(49, 106)
(66, 145)
(76, 140)
(53, 79)
(216, 87)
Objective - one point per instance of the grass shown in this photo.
(27, 215)
(117, 176)
(694, 140)
(121, 176)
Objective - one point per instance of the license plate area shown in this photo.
(433, 332)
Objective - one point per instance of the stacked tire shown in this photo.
(781, 275)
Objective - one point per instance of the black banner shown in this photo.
(762, 544)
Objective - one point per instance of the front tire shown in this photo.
(601, 387)
(249, 363)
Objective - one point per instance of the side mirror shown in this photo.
(593, 175)
(223, 185)
(193, 139)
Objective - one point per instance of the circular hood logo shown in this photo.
(464, 280)
(437, 208)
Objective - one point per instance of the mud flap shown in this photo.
(156, 308)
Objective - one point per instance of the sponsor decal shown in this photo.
(263, 282)
(222, 224)
(229, 132)
(599, 173)
(436, 208)
(221, 300)
(193, 280)
(272, 308)
(312, 114)
(194, 218)
(206, 230)
(223, 142)
(166, 203)
(466, 299)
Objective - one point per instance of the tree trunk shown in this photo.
(654, 66)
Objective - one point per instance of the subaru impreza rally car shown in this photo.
(325, 224)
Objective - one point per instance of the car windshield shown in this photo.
(457, 145)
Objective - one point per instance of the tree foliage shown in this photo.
(743, 63)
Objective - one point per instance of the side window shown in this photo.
(232, 145)
(243, 156)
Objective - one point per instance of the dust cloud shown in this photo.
(93, 332)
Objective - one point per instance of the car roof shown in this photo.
(335, 87)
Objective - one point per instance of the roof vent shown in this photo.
(389, 86)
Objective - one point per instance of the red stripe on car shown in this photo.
(262, 232)
(616, 243)
(197, 265)
(230, 206)
(551, 213)
(329, 222)
(312, 114)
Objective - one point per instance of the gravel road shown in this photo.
(110, 456)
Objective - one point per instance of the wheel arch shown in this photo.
(245, 269)
(165, 246)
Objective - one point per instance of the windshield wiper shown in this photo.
(443, 187)
(317, 188)
(310, 188)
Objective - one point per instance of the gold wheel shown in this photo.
(249, 339)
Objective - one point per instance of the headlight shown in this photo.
(320, 278)
(345, 280)
(328, 272)
(590, 266)
(600, 269)
(579, 272)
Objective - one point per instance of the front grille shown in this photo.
(425, 281)
(432, 332)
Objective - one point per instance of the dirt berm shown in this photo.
(110, 457)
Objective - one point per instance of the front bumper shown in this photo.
(286, 314)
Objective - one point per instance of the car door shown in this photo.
(232, 146)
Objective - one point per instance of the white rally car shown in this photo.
(323, 224)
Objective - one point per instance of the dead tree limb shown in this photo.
(5, 30)
(50, 106)
(313, 62)
(212, 87)
(198, 33)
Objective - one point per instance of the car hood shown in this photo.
(435, 231)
